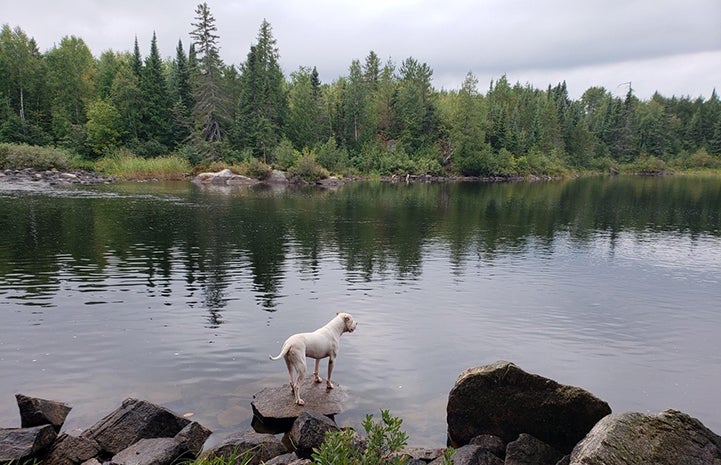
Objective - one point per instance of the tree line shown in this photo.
(381, 117)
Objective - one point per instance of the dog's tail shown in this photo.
(283, 351)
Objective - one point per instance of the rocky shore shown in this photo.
(29, 176)
(497, 414)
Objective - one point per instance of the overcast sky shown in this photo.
(667, 45)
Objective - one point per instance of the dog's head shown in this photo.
(348, 323)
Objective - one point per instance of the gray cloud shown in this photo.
(665, 45)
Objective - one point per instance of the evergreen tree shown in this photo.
(209, 107)
(155, 113)
(181, 98)
(262, 107)
(303, 127)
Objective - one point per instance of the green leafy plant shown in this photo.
(384, 438)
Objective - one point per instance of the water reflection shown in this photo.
(375, 229)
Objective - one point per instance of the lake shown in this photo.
(177, 294)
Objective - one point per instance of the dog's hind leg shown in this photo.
(316, 373)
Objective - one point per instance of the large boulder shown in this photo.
(20, 444)
(260, 447)
(505, 401)
(275, 410)
(132, 421)
(668, 438)
(37, 412)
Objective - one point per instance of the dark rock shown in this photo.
(37, 412)
(670, 437)
(491, 443)
(261, 447)
(527, 450)
(471, 455)
(331, 182)
(275, 410)
(72, 450)
(308, 431)
(20, 444)
(193, 436)
(505, 401)
(133, 421)
(156, 451)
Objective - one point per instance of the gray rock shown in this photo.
(156, 451)
(308, 431)
(527, 450)
(133, 421)
(20, 444)
(275, 410)
(277, 177)
(491, 443)
(471, 455)
(287, 459)
(261, 447)
(422, 453)
(37, 412)
(505, 401)
(92, 461)
(72, 450)
(670, 437)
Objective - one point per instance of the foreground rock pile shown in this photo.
(497, 415)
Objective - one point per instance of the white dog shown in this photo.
(321, 343)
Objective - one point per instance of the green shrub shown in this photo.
(308, 168)
(648, 164)
(254, 168)
(18, 156)
(332, 157)
(284, 155)
(383, 440)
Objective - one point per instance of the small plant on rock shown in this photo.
(383, 439)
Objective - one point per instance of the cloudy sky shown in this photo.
(666, 45)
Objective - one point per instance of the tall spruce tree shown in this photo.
(155, 116)
(209, 106)
(262, 107)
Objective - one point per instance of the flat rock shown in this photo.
(668, 438)
(275, 410)
(156, 451)
(503, 400)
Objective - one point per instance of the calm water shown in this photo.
(177, 295)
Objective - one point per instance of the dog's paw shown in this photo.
(300, 402)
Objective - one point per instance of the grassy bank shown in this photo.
(124, 164)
